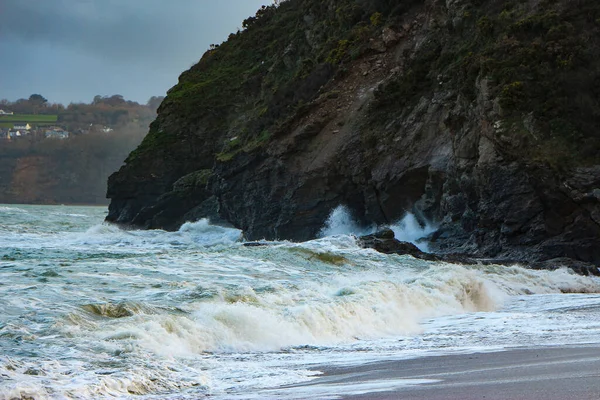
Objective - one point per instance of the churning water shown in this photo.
(90, 311)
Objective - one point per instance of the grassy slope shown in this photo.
(28, 118)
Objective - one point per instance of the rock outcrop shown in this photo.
(384, 241)
(480, 116)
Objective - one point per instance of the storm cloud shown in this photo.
(71, 50)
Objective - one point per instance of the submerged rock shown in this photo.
(256, 244)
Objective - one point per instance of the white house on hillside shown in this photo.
(16, 134)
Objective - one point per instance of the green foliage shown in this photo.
(512, 95)
(197, 179)
(156, 142)
(405, 90)
(485, 26)
(234, 146)
(546, 65)
(267, 74)
(376, 19)
(537, 59)
(225, 157)
(29, 118)
(258, 141)
(336, 55)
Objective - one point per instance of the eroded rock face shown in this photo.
(396, 129)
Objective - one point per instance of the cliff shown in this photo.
(479, 115)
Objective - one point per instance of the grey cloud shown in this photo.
(129, 30)
(153, 37)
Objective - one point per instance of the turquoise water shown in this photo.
(91, 311)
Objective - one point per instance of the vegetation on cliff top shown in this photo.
(247, 88)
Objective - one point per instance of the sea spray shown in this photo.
(408, 229)
(341, 222)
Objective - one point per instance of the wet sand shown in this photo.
(543, 373)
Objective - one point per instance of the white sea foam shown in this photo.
(69, 214)
(193, 312)
(334, 390)
(204, 233)
(11, 209)
(200, 233)
(333, 309)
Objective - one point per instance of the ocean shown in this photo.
(91, 311)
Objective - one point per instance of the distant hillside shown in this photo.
(53, 171)
(38, 167)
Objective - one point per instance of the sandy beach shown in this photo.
(548, 373)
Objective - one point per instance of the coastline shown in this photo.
(548, 372)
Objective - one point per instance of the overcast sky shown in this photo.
(72, 50)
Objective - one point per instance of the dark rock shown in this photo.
(385, 242)
(255, 244)
(579, 267)
(383, 234)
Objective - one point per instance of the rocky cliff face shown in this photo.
(479, 115)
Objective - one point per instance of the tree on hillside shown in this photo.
(115, 100)
(37, 100)
(155, 101)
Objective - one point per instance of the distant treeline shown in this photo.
(112, 111)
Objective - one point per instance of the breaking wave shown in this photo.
(341, 222)
(104, 312)
(408, 229)
(200, 233)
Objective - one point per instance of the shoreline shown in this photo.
(532, 373)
